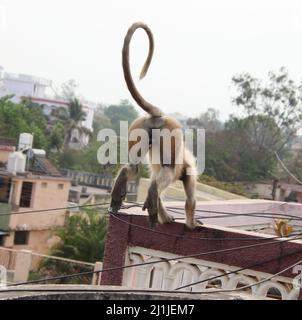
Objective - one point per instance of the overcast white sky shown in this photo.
(199, 46)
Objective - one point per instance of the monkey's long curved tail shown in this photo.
(148, 107)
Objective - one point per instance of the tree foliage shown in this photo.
(69, 90)
(16, 118)
(227, 186)
(72, 118)
(208, 120)
(273, 109)
(271, 116)
(124, 111)
(82, 238)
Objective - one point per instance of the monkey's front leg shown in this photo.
(151, 204)
(119, 190)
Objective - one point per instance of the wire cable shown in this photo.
(256, 283)
(208, 291)
(154, 262)
(238, 270)
(231, 214)
(286, 169)
(55, 209)
(115, 216)
(134, 204)
(273, 215)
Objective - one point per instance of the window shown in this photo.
(21, 237)
(5, 185)
(60, 186)
(1, 241)
(44, 185)
(26, 194)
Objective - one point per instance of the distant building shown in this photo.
(30, 183)
(40, 91)
(49, 105)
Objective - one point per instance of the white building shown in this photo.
(22, 85)
(40, 90)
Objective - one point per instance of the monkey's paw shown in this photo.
(192, 225)
(151, 205)
(117, 198)
(165, 218)
(114, 206)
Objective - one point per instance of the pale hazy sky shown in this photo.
(199, 46)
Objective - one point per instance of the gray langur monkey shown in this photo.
(162, 174)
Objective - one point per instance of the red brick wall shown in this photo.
(120, 235)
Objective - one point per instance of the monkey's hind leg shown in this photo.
(153, 203)
(164, 178)
(119, 189)
(163, 215)
(189, 183)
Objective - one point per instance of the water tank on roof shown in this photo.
(36, 152)
(16, 162)
(25, 141)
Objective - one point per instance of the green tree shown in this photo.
(82, 238)
(273, 109)
(100, 121)
(57, 136)
(227, 186)
(124, 111)
(69, 90)
(16, 118)
(244, 150)
(68, 158)
(208, 120)
(72, 118)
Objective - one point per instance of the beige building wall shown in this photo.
(4, 153)
(39, 241)
(47, 193)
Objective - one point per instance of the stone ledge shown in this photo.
(89, 292)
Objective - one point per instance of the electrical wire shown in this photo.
(135, 204)
(232, 214)
(178, 258)
(219, 212)
(256, 283)
(208, 291)
(195, 255)
(238, 270)
(115, 216)
(286, 169)
(56, 209)
(167, 234)
(172, 209)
